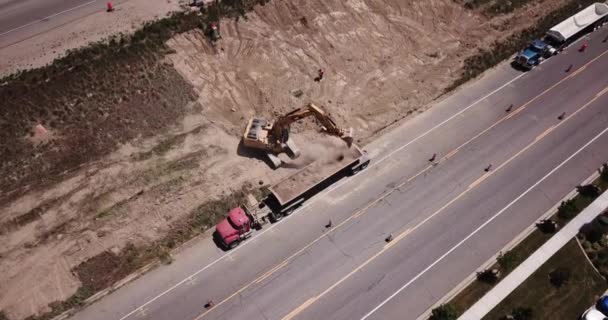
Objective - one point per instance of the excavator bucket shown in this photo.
(348, 137)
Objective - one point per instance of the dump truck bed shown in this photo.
(315, 173)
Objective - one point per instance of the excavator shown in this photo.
(273, 136)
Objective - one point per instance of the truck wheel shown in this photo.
(289, 212)
(233, 245)
(275, 217)
(363, 166)
(358, 169)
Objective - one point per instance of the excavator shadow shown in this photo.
(251, 153)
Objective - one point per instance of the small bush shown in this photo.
(596, 246)
(559, 277)
(522, 313)
(589, 191)
(594, 234)
(586, 245)
(604, 172)
(601, 254)
(444, 312)
(509, 260)
(567, 210)
(592, 255)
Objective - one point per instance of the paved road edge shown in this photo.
(513, 243)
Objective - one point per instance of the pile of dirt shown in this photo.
(130, 149)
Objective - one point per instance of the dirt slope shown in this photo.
(383, 60)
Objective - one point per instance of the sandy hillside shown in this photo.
(383, 60)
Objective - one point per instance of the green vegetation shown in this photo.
(509, 260)
(522, 313)
(604, 173)
(500, 51)
(567, 209)
(512, 258)
(540, 298)
(444, 312)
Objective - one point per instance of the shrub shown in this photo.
(567, 210)
(589, 191)
(586, 245)
(559, 276)
(602, 254)
(604, 172)
(594, 234)
(509, 260)
(444, 312)
(592, 255)
(596, 246)
(522, 313)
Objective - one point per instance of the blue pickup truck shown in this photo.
(536, 52)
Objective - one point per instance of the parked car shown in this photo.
(593, 314)
(597, 312)
(602, 305)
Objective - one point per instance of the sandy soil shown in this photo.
(383, 60)
(44, 48)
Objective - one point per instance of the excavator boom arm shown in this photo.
(282, 124)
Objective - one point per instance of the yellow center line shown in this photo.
(544, 133)
(271, 271)
(403, 235)
(478, 181)
(362, 211)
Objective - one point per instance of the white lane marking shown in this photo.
(320, 196)
(48, 17)
(376, 162)
(481, 227)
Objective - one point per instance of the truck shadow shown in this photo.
(218, 241)
(518, 67)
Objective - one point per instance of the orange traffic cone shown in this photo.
(110, 7)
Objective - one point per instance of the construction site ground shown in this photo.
(129, 151)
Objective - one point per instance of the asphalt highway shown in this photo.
(22, 19)
(447, 218)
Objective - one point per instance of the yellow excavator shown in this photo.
(273, 136)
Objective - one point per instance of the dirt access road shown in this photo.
(166, 140)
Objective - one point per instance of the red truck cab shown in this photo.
(234, 228)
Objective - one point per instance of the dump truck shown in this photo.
(289, 194)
